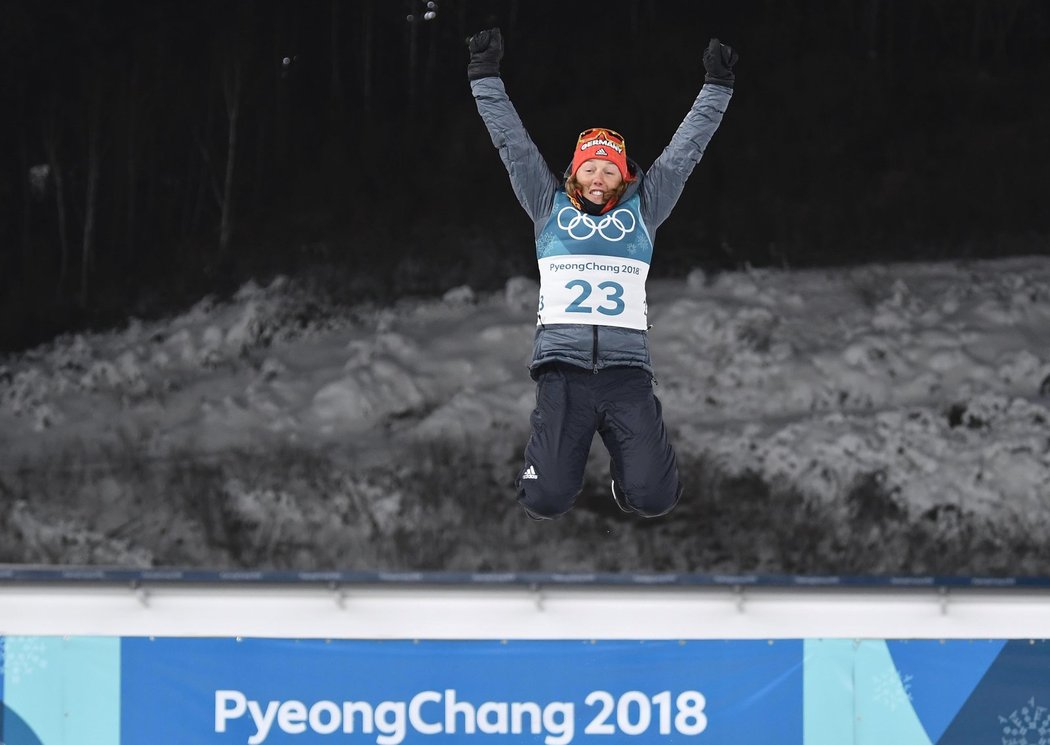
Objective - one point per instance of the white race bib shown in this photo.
(596, 290)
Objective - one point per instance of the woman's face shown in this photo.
(598, 180)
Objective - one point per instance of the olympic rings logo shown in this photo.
(612, 227)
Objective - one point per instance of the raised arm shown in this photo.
(666, 179)
(531, 178)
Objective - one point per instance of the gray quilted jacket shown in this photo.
(535, 185)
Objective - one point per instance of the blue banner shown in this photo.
(393, 692)
(110, 691)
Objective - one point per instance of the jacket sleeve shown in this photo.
(664, 182)
(532, 179)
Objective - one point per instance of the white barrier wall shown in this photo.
(421, 611)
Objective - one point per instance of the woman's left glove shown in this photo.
(486, 50)
(719, 59)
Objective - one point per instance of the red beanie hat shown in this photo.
(604, 144)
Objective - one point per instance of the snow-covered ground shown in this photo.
(927, 383)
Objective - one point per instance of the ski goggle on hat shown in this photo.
(603, 144)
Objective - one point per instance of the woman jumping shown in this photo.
(594, 241)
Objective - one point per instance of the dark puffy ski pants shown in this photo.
(573, 403)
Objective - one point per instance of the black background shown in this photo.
(860, 130)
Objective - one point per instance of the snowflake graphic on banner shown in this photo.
(892, 689)
(20, 657)
(1029, 725)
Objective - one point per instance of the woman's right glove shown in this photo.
(486, 50)
(719, 59)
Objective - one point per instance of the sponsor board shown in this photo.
(111, 690)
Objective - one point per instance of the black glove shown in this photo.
(486, 50)
(718, 61)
